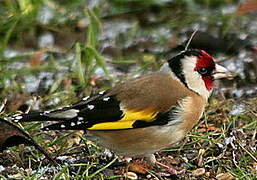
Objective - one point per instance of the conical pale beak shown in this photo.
(221, 72)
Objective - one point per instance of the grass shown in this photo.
(223, 144)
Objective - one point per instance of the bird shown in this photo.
(146, 114)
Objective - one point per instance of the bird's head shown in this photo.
(197, 70)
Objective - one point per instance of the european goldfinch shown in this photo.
(146, 114)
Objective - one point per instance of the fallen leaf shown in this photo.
(207, 174)
(139, 167)
(247, 6)
(16, 176)
(11, 135)
(204, 128)
(28, 171)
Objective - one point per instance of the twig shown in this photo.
(3, 105)
(190, 39)
(250, 154)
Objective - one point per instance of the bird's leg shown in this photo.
(168, 168)
(151, 159)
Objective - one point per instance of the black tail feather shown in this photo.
(72, 124)
(34, 116)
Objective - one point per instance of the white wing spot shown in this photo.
(78, 123)
(16, 120)
(72, 124)
(76, 110)
(18, 117)
(101, 92)
(61, 108)
(80, 118)
(62, 126)
(47, 112)
(47, 129)
(90, 107)
(106, 98)
(85, 98)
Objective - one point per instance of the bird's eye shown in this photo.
(202, 71)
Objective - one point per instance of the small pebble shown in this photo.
(148, 176)
(131, 175)
(225, 176)
(198, 172)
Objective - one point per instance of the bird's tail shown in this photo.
(75, 123)
(67, 120)
(34, 116)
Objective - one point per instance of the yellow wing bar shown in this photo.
(126, 122)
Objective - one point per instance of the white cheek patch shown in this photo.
(193, 78)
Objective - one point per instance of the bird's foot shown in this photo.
(152, 160)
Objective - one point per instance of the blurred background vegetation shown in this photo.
(54, 52)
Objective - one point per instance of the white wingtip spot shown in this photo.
(46, 112)
(85, 98)
(62, 126)
(18, 117)
(90, 107)
(76, 110)
(72, 124)
(106, 98)
(47, 129)
(101, 92)
(80, 118)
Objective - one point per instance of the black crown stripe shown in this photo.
(175, 63)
